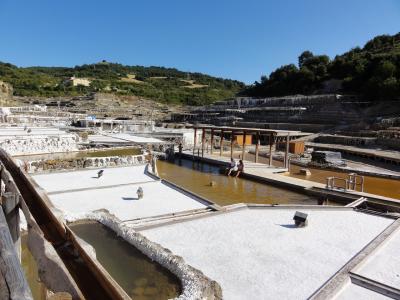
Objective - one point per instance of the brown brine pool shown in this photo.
(375, 185)
(138, 275)
(196, 177)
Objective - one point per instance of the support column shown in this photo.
(271, 141)
(11, 211)
(221, 143)
(232, 139)
(257, 146)
(244, 145)
(194, 141)
(203, 141)
(212, 141)
(287, 151)
(13, 282)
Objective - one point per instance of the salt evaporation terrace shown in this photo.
(80, 192)
(122, 138)
(258, 253)
(24, 140)
(251, 251)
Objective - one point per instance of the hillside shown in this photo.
(372, 72)
(166, 85)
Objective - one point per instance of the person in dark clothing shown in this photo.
(240, 168)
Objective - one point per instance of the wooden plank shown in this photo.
(244, 145)
(194, 141)
(4, 294)
(287, 152)
(11, 211)
(221, 143)
(232, 140)
(212, 141)
(203, 141)
(248, 129)
(271, 142)
(93, 282)
(11, 269)
(8, 181)
(257, 146)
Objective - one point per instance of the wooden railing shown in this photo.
(92, 279)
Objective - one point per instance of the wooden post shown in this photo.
(203, 141)
(194, 141)
(11, 211)
(244, 145)
(221, 143)
(271, 141)
(287, 150)
(232, 139)
(257, 145)
(13, 278)
(212, 141)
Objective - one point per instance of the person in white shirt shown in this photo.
(232, 167)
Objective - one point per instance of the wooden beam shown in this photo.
(257, 146)
(241, 129)
(10, 266)
(232, 139)
(94, 282)
(221, 143)
(271, 142)
(194, 141)
(203, 141)
(212, 141)
(244, 145)
(10, 203)
(287, 151)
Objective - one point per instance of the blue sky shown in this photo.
(233, 39)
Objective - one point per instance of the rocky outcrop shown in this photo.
(6, 92)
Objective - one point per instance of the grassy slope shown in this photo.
(157, 83)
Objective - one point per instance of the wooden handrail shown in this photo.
(91, 278)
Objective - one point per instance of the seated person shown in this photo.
(239, 168)
(232, 167)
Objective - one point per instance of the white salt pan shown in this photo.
(118, 200)
(258, 254)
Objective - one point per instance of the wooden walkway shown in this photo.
(224, 161)
(276, 176)
(392, 156)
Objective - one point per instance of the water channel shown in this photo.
(374, 185)
(138, 275)
(196, 177)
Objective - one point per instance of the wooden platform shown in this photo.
(276, 176)
(384, 155)
(250, 167)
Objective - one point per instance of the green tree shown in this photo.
(304, 57)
